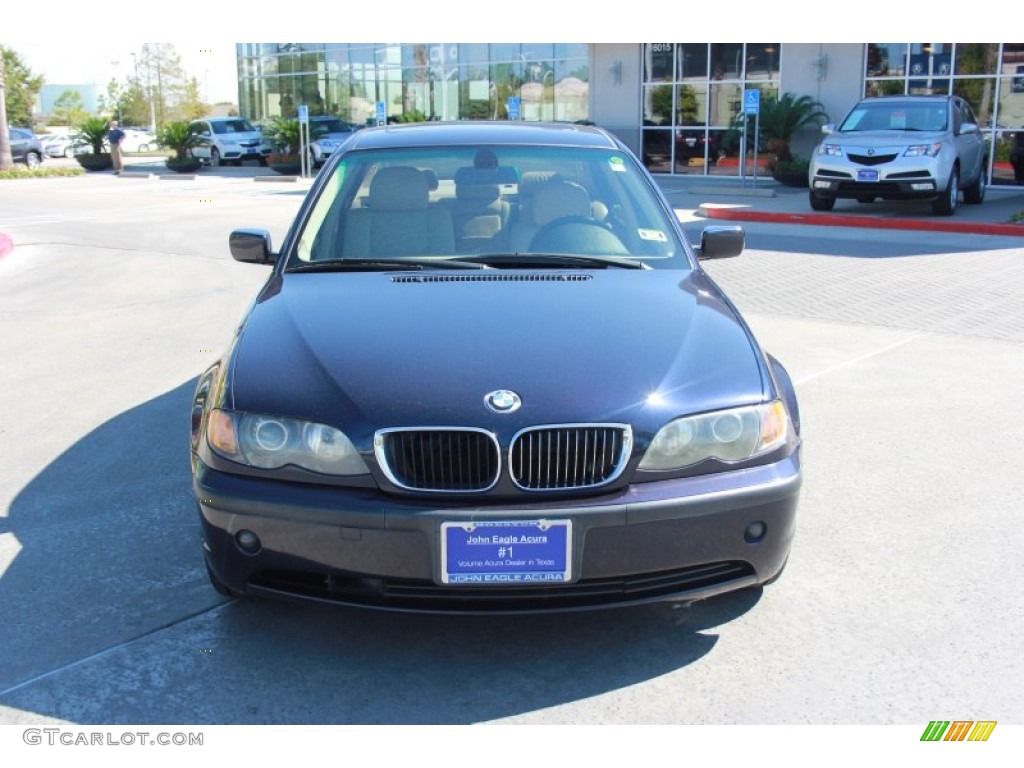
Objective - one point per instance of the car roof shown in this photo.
(470, 132)
(908, 97)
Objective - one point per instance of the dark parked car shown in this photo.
(25, 147)
(487, 373)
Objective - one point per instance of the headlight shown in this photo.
(271, 442)
(733, 435)
(923, 150)
(832, 150)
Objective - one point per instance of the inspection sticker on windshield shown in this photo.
(506, 552)
(617, 164)
(652, 234)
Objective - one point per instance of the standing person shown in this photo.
(115, 136)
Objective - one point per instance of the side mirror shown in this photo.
(721, 242)
(828, 129)
(251, 246)
(968, 128)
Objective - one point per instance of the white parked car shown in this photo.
(138, 141)
(224, 140)
(901, 148)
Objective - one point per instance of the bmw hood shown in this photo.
(371, 350)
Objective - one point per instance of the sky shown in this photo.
(211, 62)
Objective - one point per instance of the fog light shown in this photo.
(822, 184)
(755, 532)
(248, 542)
(925, 187)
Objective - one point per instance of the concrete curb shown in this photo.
(275, 178)
(734, 213)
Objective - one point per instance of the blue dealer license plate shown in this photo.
(506, 552)
(867, 175)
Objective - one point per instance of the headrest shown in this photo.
(399, 188)
(432, 180)
(557, 199)
(478, 192)
(503, 174)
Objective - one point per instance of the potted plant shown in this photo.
(93, 131)
(792, 172)
(177, 137)
(284, 134)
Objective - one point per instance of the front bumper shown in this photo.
(678, 539)
(901, 179)
(244, 153)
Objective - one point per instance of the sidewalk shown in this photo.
(728, 200)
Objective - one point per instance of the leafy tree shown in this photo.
(22, 88)
(131, 105)
(782, 117)
(190, 105)
(69, 109)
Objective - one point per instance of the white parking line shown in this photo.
(855, 360)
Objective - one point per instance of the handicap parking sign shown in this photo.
(751, 101)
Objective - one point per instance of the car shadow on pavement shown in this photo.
(108, 618)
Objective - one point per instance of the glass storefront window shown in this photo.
(726, 61)
(658, 62)
(657, 105)
(692, 104)
(692, 61)
(762, 61)
(885, 87)
(886, 59)
(980, 93)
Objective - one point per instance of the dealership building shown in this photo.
(674, 104)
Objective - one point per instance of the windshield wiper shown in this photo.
(375, 265)
(512, 260)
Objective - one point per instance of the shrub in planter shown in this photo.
(93, 131)
(92, 161)
(790, 173)
(176, 136)
(288, 163)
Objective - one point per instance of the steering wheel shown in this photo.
(580, 235)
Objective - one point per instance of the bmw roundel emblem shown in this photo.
(502, 401)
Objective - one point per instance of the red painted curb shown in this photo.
(838, 220)
(6, 244)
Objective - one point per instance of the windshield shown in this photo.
(321, 127)
(896, 116)
(489, 201)
(233, 126)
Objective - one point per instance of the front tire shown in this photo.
(215, 158)
(33, 160)
(819, 203)
(946, 204)
(975, 193)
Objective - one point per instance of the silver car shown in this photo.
(901, 148)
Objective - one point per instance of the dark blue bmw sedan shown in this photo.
(488, 374)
